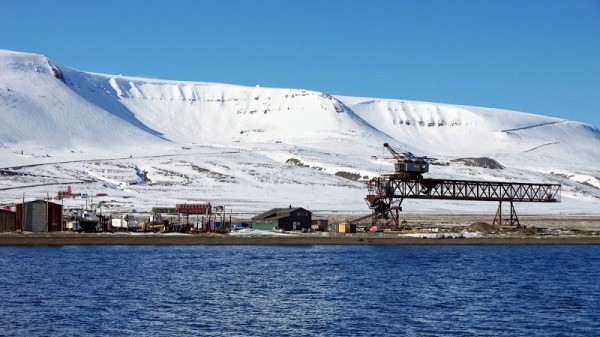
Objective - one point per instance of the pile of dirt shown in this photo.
(484, 162)
(348, 175)
(482, 227)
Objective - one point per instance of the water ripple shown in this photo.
(306, 290)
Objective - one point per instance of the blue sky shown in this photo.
(538, 56)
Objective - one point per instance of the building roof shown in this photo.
(37, 201)
(277, 213)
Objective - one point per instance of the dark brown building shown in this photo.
(8, 221)
(283, 218)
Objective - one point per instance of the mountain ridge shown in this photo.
(204, 132)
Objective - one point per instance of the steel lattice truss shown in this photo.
(387, 192)
(464, 190)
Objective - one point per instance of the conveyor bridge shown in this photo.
(387, 192)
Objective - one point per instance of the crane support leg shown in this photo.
(513, 219)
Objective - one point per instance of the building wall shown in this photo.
(35, 217)
(295, 220)
(8, 221)
(264, 224)
(298, 220)
(39, 216)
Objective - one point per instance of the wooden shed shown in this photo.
(283, 218)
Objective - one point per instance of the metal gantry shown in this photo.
(387, 192)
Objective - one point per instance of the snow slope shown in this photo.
(448, 130)
(38, 108)
(187, 112)
(254, 148)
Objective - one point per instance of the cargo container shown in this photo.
(345, 228)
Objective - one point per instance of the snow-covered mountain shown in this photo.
(253, 148)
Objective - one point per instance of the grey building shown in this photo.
(39, 216)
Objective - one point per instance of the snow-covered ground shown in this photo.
(252, 148)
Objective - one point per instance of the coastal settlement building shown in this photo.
(38, 216)
(288, 219)
(8, 221)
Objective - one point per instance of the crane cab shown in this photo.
(411, 167)
(407, 165)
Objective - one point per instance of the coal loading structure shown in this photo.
(387, 192)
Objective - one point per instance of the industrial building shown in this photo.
(38, 216)
(288, 219)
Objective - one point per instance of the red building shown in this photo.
(203, 209)
(38, 216)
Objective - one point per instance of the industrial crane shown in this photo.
(386, 192)
(407, 165)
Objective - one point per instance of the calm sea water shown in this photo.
(300, 291)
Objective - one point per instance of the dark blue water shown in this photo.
(300, 291)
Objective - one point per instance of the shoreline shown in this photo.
(60, 239)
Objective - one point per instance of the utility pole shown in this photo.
(62, 209)
(46, 227)
(23, 213)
